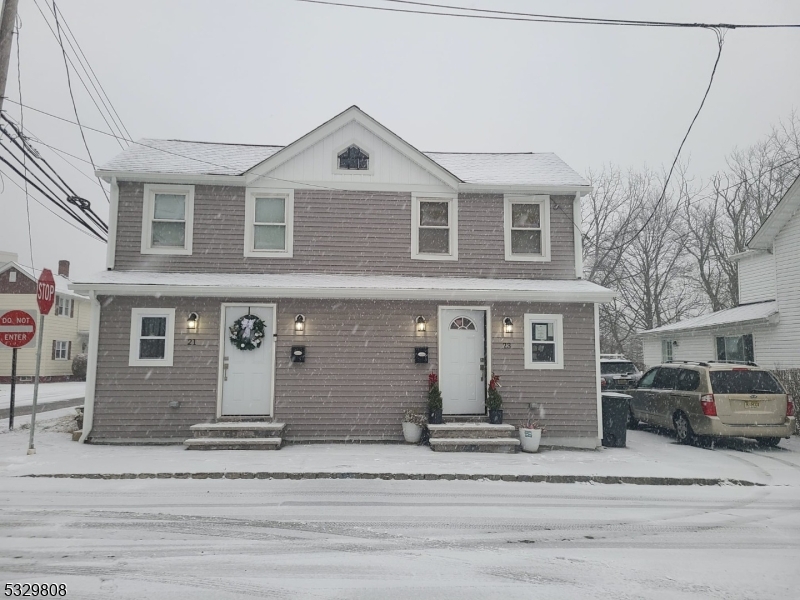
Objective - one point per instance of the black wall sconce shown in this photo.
(508, 326)
(422, 324)
(299, 324)
(298, 354)
(421, 354)
(193, 321)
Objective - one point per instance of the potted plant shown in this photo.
(494, 401)
(434, 400)
(530, 435)
(413, 423)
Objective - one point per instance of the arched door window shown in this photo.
(462, 323)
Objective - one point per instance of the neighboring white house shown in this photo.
(66, 329)
(765, 327)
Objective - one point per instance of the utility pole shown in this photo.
(6, 40)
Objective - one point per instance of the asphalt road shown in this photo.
(205, 539)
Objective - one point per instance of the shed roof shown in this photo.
(748, 313)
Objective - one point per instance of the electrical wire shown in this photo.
(538, 18)
(22, 120)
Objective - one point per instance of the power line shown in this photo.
(22, 120)
(498, 15)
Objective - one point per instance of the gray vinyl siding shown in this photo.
(344, 232)
(359, 375)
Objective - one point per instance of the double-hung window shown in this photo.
(527, 228)
(152, 337)
(61, 350)
(666, 351)
(64, 306)
(269, 223)
(544, 341)
(434, 231)
(167, 219)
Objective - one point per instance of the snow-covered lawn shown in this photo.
(648, 455)
(48, 392)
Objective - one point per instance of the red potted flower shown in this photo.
(494, 401)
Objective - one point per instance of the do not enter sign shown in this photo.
(17, 328)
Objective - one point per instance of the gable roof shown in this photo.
(780, 215)
(188, 158)
(748, 313)
(62, 283)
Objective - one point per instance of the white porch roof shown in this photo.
(315, 285)
(749, 313)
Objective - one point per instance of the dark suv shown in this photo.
(617, 372)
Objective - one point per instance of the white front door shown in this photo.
(462, 356)
(247, 374)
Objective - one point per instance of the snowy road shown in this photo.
(218, 539)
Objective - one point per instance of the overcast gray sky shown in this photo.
(268, 71)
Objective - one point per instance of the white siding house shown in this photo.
(765, 327)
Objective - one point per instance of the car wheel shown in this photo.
(633, 422)
(683, 429)
(769, 442)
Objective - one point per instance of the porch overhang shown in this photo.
(315, 285)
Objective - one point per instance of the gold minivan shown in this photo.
(701, 400)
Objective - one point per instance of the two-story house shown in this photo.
(365, 265)
(765, 327)
(66, 328)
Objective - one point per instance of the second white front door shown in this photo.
(247, 374)
(462, 361)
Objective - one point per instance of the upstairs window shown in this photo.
(434, 228)
(269, 223)
(527, 228)
(64, 306)
(167, 219)
(353, 158)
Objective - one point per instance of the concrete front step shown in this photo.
(238, 430)
(466, 419)
(209, 443)
(471, 430)
(505, 445)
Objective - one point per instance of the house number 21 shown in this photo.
(191, 342)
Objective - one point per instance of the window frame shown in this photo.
(544, 202)
(148, 208)
(745, 346)
(250, 222)
(364, 148)
(64, 306)
(558, 340)
(667, 343)
(452, 225)
(135, 336)
(56, 351)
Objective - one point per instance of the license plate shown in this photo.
(752, 404)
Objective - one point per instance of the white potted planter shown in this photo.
(412, 432)
(529, 439)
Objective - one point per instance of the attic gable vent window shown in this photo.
(353, 158)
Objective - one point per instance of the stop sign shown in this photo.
(46, 291)
(17, 328)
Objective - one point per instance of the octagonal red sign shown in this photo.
(46, 291)
(17, 328)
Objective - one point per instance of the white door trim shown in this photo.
(487, 341)
(223, 340)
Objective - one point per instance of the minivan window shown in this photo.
(688, 380)
(666, 379)
(744, 382)
(647, 379)
(617, 368)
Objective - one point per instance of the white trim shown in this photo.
(91, 368)
(223, 340)
(249, 221)
(335, 170)
(169, 341)
(56, 349)
(597, 373)
(577, 236)
(452, 225)
(148, 206)
(747, 253)
(487, 320)
(180, 178)
(113, 211)
(558, 338)
(544, 202)
(525, 190)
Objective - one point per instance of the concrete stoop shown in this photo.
(236, 435)
(473, 437)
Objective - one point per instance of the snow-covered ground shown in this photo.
(48, 392)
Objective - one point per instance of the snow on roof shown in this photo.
(205, 158)
(62, 283)
(761, 311)
(305, 285)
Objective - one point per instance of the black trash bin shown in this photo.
(616, 408)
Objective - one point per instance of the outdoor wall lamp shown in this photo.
(191, 322)
(422, 324)
(675, 343)
(299, 324)
(508, 326)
